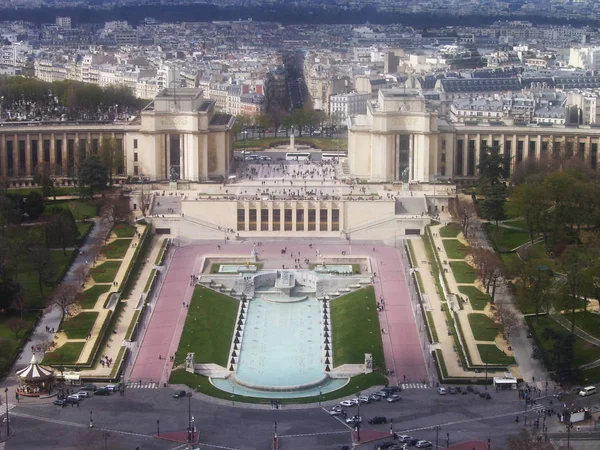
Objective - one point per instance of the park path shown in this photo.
(402, 344)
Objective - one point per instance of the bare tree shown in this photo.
(17, 325)
(81, 273)
(508, 319)
(526, 440)
(116, 208)
(64, 297)
(464, 211)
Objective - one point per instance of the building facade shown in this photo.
(179, 136)
(401, 140)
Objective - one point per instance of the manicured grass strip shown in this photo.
(455, 249)
(118, 363)
(588, 322)
(105, 272)
(66, 354)
(451, 230)
(123, 230)
(491, 354)
(136, 264)
(506, 239)
(161, 253)
(464, 273)
(133, 324)
(432, 329)
(80, 208)
(150, 280)
(116, 249)
(202, 384)
(81, 325)
(321, 143)
(583, 350)
(88, 298)
(478, 299)
(208, 327)
(484, 328)
(355, 329)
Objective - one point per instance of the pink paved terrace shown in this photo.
(402, 346)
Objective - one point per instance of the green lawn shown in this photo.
(434, 334)
(203, 384)
(116, 249)
(29, 279)
(510, 210)
(463, 272)
(355, 329)
(83, 228)
(88, 298)
(209, 327)
(123, 230)
(519, 224)
(159, 257)
(66, 354)
(491, 354)
(81, 325)
(506, 239)
(511, 262)
(584, 351)
(59, 192)
(451, 230)
(80, 208)
(149, 280)
(13, 344)
(105, 272)
(591, 376)
(455, 249)
(588, 322)
(319, 142)
(478, 299)
(484, 328)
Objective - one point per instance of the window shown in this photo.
(443, 144)
(443, 157)
(136, 170)
(276, 220)
(241, 217)
(312, 217)
(323, 220)
(288, 220)
(135, 144)
(252, 223)
(264, 219)
(335, 220)
(135, 157)
(300, 220)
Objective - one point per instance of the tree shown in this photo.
(508, 319)
(93, 175)
(80, 273)
(16, 325)
(491, 184)
(531, 202)
(575, 261)
(561, 356)
(40, 260)
(64, 297)
(262, 122)
(525, 440)
(33, 205)
(61, 229)
(533, 285)
(44, 177)
(9, 290)
(112, 156)
(464, 211)
(116, 208)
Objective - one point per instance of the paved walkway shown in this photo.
(402, 344)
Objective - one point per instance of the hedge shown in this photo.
(160, 258)
(135, 264)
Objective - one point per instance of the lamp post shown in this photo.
(7, 419)
(437, 437)
(357, 422)
(486, 364)
(157, 427)
(91, 420)
(569, 426)
(189, 396)
(106, 435)
(320, 395)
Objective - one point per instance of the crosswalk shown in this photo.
(3, 408)
(142, 385)
(537, 408)
(414, 386)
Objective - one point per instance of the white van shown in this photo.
(590, 390)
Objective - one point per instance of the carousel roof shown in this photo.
(34, 371)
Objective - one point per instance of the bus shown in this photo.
(333, 155)
(297, 156)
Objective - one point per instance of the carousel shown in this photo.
(35, 380)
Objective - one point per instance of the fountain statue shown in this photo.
(292, 142)
(253, 255)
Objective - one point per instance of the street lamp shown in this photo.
(157, 427)
(106, 435)
(189, 396)
(357, 421)
(7, 419)
(569, 426)
(320, 395)
(91, 420)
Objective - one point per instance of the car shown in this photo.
(442, 391)
(374, 398)
(384, 445)
(112, 387)
(377, 420)
(463, 392)
(354, 419)
(412, 442)
(452, 390)
(88, 387)
(475, 391)
(82, 394)
(337, 412)
(342, 447)
(60, 402)
(363, 399)
(102, 391)
(469, 388)
(266, 158)
(488, 396)
(394, 398)
(179, 394)
(72, 399)
(382, 394)
(347, 403)
(392, 389)
(424, 444)
(404, 438)
(399, 447)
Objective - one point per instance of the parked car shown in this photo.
(469, 388)
(404, 438)
(374, 398)
(102, 391)
(266, 158)
(384, 445)
(60, 402)
(348, 403)
(363, 399)
(342, 447)
(488, 396)
(377, 420)
(337, 412)
(72, 399)
(424, 444)
(179, 394)
(392, 389)
(354, 419)
(382, 394)
(113, 387)
(88, 387)
(452, 390)
(394, 398)
(82, 394)
(442, 391)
